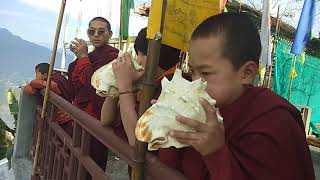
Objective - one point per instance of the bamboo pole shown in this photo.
(291, 77)
(148, 89)
(121, 24)
(46, 96)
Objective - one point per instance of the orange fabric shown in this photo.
(169, 71)
(29, 91)
(36, 85)
(158, 79)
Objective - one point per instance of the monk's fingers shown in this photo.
(79, 40)
(185, 135)
(188, 142)
(127, 56)
(75, 43)
(153, 101)
(196, 125)
(115, 66)
(210, 112)
(83, 42)
(72, 48)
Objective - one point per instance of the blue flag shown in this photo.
(304, 28)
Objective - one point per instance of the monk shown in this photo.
(81, 70)
(126, 76)
(57, 86)
(262, 136)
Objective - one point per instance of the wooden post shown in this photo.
(46, 96)
(148, 89)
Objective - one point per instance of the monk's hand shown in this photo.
(125, 73)
(208, 137)
(79, 48)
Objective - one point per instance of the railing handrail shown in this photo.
(154, 167)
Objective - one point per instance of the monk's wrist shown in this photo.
(82, 56)
(125, 88)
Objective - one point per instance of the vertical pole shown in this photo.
(269, 80)
(278, 22)
(46, 96)
(291, 78)
(121, 24)
(148, 89)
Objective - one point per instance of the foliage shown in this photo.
(5, 143)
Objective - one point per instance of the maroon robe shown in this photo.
(265, 140)
(64, 85)
(80, 72)
(85, 97)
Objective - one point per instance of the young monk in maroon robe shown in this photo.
(81, 70)
(126, 76)
(40, 82)
(262, 136)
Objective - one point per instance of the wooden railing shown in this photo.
(66, 158)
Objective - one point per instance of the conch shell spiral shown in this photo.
(104, 81)
(178, 96)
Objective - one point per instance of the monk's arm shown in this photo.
(83, 71)
(29, 90)
(109, 111)
(41, 84)
(260, 153)
(129, 115)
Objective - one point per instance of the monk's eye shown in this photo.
(204, 74)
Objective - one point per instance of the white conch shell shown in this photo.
(104, 81)
(178, 96)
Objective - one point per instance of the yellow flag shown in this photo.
(129, 40)
(303, 57)
(181, 18)
(260, 70)
(293, 73)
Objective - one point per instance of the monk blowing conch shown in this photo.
(262, 135)
(81, 70)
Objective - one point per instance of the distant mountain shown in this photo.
(19, 55)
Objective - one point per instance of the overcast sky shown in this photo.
(35, 20)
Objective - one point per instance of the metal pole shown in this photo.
(46, 96)
(269, 80)
(278, 22)
(138, 171)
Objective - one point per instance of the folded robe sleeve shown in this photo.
(29, 90)
(36, 85)
(83, 71)
(265, 151)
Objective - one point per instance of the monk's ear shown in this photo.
(110, 34)
(45, 75)
(248, 72)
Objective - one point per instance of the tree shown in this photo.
(5, 143)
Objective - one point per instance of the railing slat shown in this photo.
(85, 150)
(86, 161)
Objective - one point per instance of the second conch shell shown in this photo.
(104, 81)
(178, 96)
